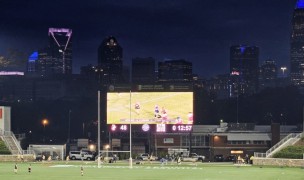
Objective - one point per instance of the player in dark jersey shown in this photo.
(15, 169)
(156, 111)
(81, 170)
(30, 169)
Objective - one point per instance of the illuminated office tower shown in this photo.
(60, 51)
(244, 64)
(297, 44)
(110, 61)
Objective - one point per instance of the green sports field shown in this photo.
(155, 171)
(176, 105)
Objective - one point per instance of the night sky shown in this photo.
(200, 31)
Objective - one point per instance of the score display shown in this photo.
(119, 127)
(154, 128)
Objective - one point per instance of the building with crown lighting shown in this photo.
(56, 58)
(110, 61)
(60, 49)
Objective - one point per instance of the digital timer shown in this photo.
(181, 128)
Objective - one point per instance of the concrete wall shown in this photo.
(278, 162)
(17, 158)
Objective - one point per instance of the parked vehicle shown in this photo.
(178, 152)
(231, 158)
(108, 158)
(145, 157)
(79, 155)
(193, 157)
(219, 158)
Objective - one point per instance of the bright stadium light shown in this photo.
(283, 70)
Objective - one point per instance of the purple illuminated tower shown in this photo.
(60, 50)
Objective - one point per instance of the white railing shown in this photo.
(17, 143)
(25, 152)
(11, 134)
(292, 135)
(260, 155)
(295, 136)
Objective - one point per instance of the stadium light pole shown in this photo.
(69, 129)
(44, 123)
(130, 160)
(98, 159)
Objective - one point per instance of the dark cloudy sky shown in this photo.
(200, 31)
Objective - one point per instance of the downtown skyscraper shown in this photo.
(56, 58)
(110, 61)
(60, 50)
(297, 45)
(244, 66)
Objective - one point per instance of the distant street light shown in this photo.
(283, 70)
(44, 123)
(99, 72)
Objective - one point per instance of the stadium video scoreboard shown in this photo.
(155, 128)
(158, 112)
(174, 108)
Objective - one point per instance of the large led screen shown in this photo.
(150, 108)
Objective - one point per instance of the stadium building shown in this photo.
(207, 140)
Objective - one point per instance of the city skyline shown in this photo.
(201, 32)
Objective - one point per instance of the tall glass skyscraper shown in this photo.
(110, 60)
(60, 50)
(297, 45)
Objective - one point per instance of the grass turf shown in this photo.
(121, 171)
